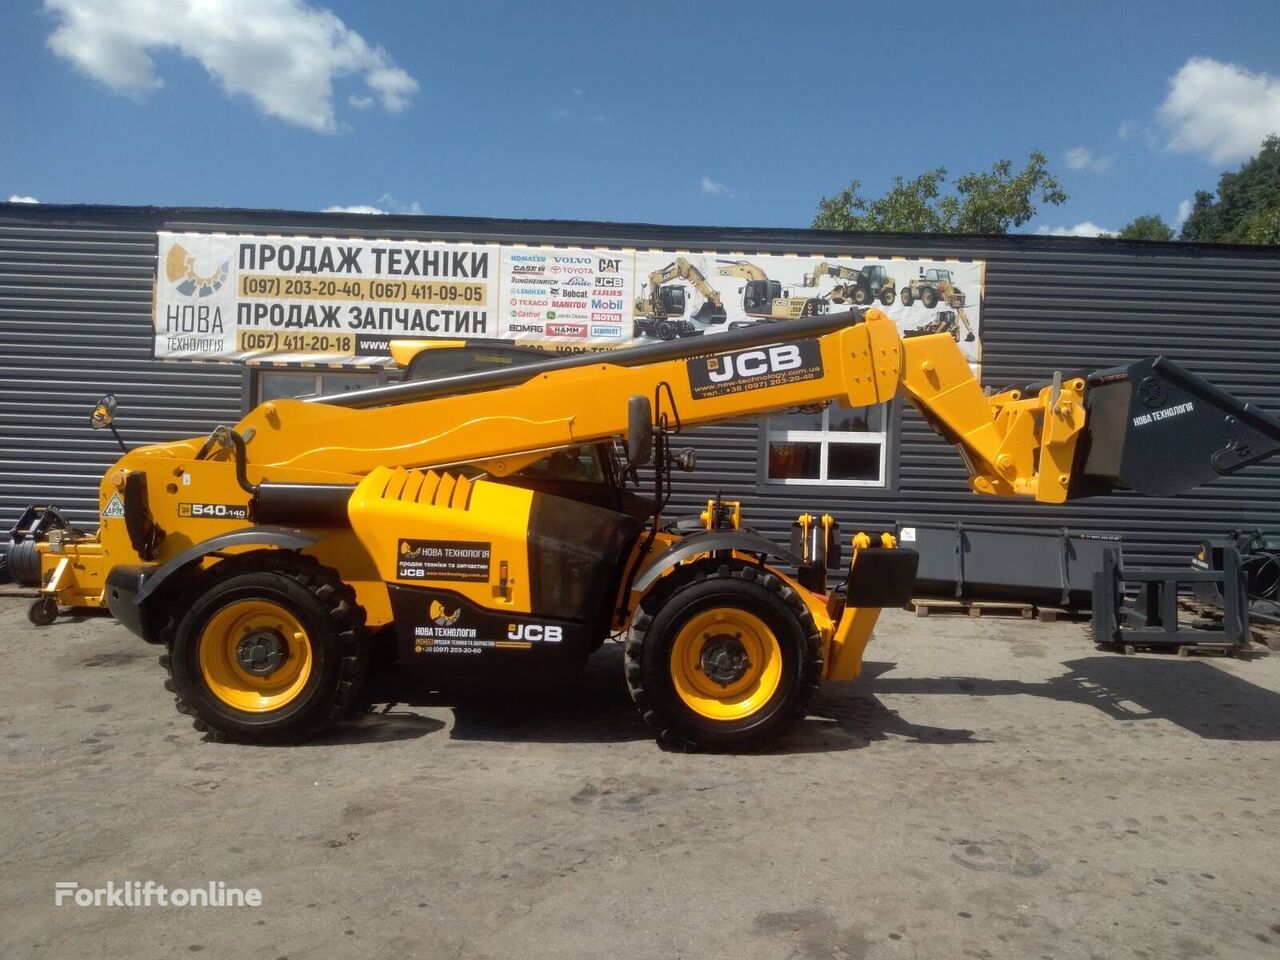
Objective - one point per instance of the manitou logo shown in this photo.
(534, 632)
(753, 363)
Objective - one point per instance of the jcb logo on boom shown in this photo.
(534, 632)
(753, 363)
(755, 369)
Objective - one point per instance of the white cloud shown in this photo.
(1082, 158)
(386, 204)
(1086, 228)
(283, 54)
(1219, 110)
(1184, 211)
(713, 187)
(1126, 129)
(19, 198)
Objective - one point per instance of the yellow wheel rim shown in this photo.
(255, 656)
(726, 664)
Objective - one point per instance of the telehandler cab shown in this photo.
(490, 519)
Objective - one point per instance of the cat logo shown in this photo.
(180, 268)
(441, 617)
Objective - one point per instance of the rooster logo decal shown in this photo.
(180, 268)
(442, 617)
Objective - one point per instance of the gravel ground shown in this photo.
(990, 788)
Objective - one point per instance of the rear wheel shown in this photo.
(666, 330)
(723, 657)
(267, 646)
(906, 297)
(886, 297)
(861, 296)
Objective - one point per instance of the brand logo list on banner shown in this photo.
(337, 301)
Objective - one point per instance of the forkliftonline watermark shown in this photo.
(148, 893)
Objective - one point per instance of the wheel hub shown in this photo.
(261, 652)
(724, 658)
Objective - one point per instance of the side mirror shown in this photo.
(104, 412)
(639, 431)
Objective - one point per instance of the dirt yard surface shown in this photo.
(990, 788)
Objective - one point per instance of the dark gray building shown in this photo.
(76, 288)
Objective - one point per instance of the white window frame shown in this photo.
(825, 437)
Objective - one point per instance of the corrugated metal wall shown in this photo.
(75, 322)
(81, 278)
(1069, 306)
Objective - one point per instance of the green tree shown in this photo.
(1149, 227)
(985, 202)
(1247, 206)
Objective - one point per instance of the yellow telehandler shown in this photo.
(492, 520)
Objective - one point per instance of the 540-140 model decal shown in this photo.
(214, 511)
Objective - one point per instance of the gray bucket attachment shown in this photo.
(1158, 429)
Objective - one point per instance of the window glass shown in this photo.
(331, 383)
(280, 384)
(797, 420)
(858, 419)
(790, 460)
(283, 384)
(838, 445)
(853, 461)
(573, 463)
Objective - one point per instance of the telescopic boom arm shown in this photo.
(1069, 437)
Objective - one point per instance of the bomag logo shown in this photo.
(180, 268)
(441, 616)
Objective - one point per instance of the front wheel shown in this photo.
(906, 297)
(267, 647)
(929, 297)
(723, 657)
(886, 297)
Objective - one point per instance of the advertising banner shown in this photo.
(250, 298)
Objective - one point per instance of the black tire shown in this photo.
(43, 612)
(323, 605)
(665, 330)
(886, 297)
(24, 563)
(929, 297)
(861, 296)
(700, 587)
(905, 296)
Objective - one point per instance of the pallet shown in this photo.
(1054, 614)
(1268, 635)
(975, 608)
(1199, 648)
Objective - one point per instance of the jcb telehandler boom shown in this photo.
(484, 520)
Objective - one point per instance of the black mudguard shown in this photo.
(709, 541)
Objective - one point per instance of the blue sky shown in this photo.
(728, 113)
